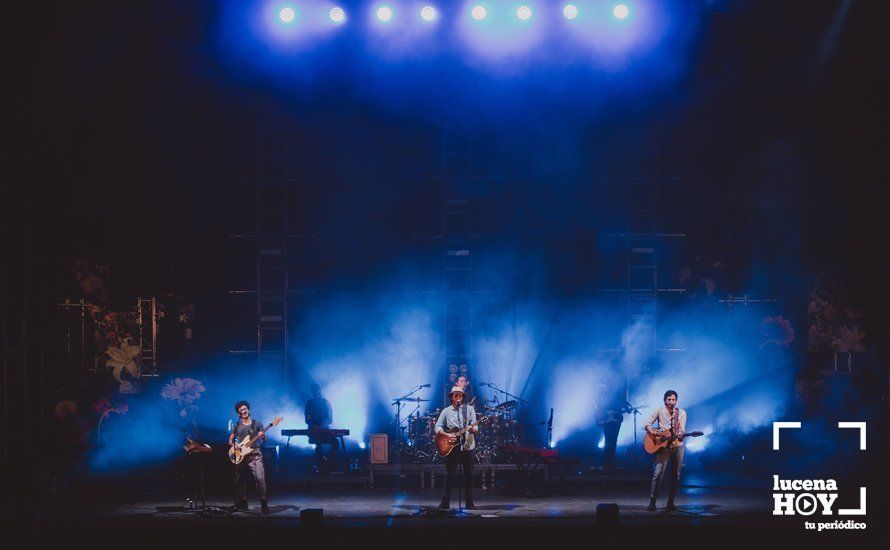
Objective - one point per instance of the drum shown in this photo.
(420, 428)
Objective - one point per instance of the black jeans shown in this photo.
(454, 458)
(610, 437)
(326, 465)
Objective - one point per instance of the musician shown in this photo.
(673, 418)
(458, 415)
(464, 384)
(609, 417)
(319, 416)
(253, 462)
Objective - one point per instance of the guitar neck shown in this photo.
(264, 430)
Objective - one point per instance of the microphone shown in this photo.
(424, 385)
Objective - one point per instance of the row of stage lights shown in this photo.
(479, 12)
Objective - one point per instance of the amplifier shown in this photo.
(379, 449)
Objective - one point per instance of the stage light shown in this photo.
(570, 11)
(384, 13)
(524, 13)
(478, 13)
(337, 15)
(361, 444)
(602, 443)
(287, 15)
(428, 13)
(620, 11)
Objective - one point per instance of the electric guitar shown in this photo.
(243, 448)
(653, 443)
(445, 446)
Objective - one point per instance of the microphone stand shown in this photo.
(550, 430)
(399, 444)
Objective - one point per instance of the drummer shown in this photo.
(464, 384)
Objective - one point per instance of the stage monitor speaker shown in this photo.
(379, 449)
(607, 514)
(311, 517)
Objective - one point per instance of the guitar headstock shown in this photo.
(277, 421)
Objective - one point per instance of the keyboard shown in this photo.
(317, 431)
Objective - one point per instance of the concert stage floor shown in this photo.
(700, 502)
(713, 511)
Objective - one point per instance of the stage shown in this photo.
(712, 505)
(702, 501)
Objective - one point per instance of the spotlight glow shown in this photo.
(620, 11)
(384, 13)
(337, 15)
(287, 15)
(602, 443)
(478, 13)
(570, 11)
(428, 13)
(524, 13)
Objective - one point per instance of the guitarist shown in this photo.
(671, 420)
(456, 416)
(254, 461)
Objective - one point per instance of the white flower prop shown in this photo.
(185, 391)
(126, 357)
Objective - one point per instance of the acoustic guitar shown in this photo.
(653, 443)
(243, 448)
(445, 446)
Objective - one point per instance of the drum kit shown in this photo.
(415, 432)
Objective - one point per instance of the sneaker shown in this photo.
(445, 504)
(651, 507)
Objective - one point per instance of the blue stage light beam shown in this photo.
(496, 29)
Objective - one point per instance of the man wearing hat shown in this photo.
(458, 415)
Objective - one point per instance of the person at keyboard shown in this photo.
(319, 415)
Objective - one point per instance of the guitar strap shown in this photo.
(462, 418)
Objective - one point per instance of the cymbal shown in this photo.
(412, 399)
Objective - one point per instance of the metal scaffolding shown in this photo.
(641, 242)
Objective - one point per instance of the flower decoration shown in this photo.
(778, 330)
(65, 409)
(124, 359)
(105, 407)
(849, 339)
(185, 391)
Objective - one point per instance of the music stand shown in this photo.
(195, 452)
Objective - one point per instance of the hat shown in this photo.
(457, 389)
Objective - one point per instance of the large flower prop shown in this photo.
(778, 330)
(185, 391)
(124, 359)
